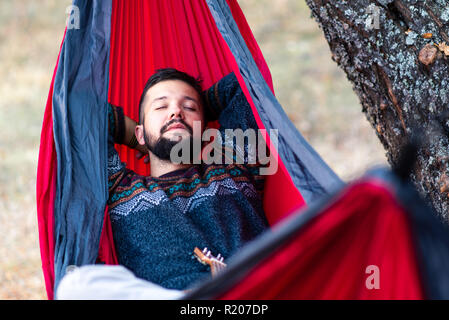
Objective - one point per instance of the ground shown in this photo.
(314, 92)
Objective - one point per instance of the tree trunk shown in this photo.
(395, 55)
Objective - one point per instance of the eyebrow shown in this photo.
(191, 99)
(185, 97)
(157, 99)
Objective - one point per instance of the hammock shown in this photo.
(109, 58)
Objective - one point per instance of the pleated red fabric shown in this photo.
(362, 237)
(148, 35)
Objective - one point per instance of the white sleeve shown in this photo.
(103, 282)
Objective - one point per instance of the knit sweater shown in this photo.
(157, 222)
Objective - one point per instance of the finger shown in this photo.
(139, 155)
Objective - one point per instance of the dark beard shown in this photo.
(162, 147)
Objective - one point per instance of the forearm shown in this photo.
(129, 138)
(227, 102)
(122, 127)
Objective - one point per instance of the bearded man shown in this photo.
(158, 220)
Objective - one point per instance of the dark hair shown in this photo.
(170, 74)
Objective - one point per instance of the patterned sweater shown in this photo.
(157, 222)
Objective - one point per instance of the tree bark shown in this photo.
(394, 53)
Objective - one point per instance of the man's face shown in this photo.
(170, 109)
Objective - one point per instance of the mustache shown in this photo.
(164, 128)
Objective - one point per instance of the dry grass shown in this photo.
(30, 35)
(313, 91)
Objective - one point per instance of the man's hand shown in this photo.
(142, 152)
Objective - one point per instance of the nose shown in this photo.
(176, 112)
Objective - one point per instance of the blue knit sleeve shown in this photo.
(226, 102)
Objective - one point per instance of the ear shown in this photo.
(140, 133)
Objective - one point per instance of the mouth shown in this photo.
(176, 126)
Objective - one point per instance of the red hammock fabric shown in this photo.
(145, 36)
(372, 223)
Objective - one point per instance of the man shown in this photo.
(158, 220)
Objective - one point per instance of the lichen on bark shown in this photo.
(403, 90)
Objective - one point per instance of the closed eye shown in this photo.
(190, 108)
